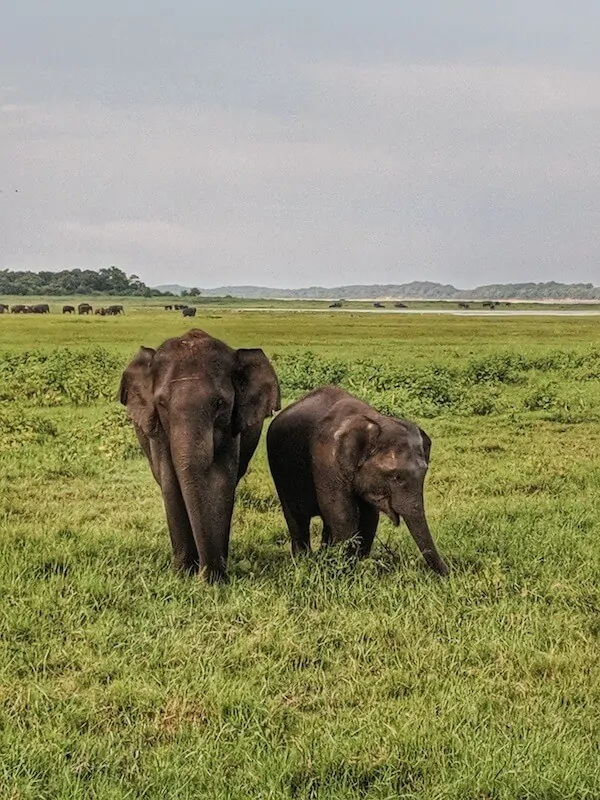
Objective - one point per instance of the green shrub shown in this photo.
(60, 377)
(496, 368)
(114, 436)
(19, 428)
(542, 397)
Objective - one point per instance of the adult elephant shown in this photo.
(189, 312)
(84, 308)
(115, 310)
(332, 455)
(198, 408)
(68, 309)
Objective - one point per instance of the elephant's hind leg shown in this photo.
(299, 528)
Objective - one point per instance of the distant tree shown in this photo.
(108, 280)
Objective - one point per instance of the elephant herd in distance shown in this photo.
(487, 304)
(198, 407)
(85, 309)
(40, 308)
(44, 308)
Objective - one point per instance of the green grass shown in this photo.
(311, 680)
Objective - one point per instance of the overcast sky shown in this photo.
(296, 143)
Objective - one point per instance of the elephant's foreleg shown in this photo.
(340, 514)
(369, 519)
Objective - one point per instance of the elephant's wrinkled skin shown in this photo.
(198, 408)
(332, 455)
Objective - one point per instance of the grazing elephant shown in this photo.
(41, 308)
(189, 312)
(198, 408)
(333, 456)
(101, 312)
(84, 308)
(68, 309)
(115, 310)
(20, 309)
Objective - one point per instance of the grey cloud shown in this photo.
(209, 149)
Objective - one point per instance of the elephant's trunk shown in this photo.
(419, 529)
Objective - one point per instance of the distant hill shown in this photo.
(174, 288)
(415, 290)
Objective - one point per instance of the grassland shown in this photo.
(311, 680)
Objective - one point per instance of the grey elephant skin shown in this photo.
(198, 408)
(333, 456)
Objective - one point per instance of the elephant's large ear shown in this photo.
(426, 444)
(135, 391)
(354, 441)
(257, 393)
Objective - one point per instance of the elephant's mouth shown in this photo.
(392, 513)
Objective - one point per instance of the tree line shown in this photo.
(106, 281)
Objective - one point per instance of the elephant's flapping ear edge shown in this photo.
(257, 393)
(135, 390)
(426, 444)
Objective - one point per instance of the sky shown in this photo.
(292, 144)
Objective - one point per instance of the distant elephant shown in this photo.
(3, 307)
(198, 408)
(189, 312)
(115, 310)
(20, 309)
(84, 308)
(400, 305)
(337, 304)
(168, 308)
(68, 309)
(378, 305)
(41, 308)
(101, 312)
(333, 456)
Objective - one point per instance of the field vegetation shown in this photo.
(315, 679)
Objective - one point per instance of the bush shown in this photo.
(114, 435)
(542, 397)
(20, 428)
(496, 368)
(61, 377)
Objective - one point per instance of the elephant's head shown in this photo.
(196, 376)
(386, 461)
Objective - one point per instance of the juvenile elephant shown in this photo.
(333, 456)
(198, 408)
